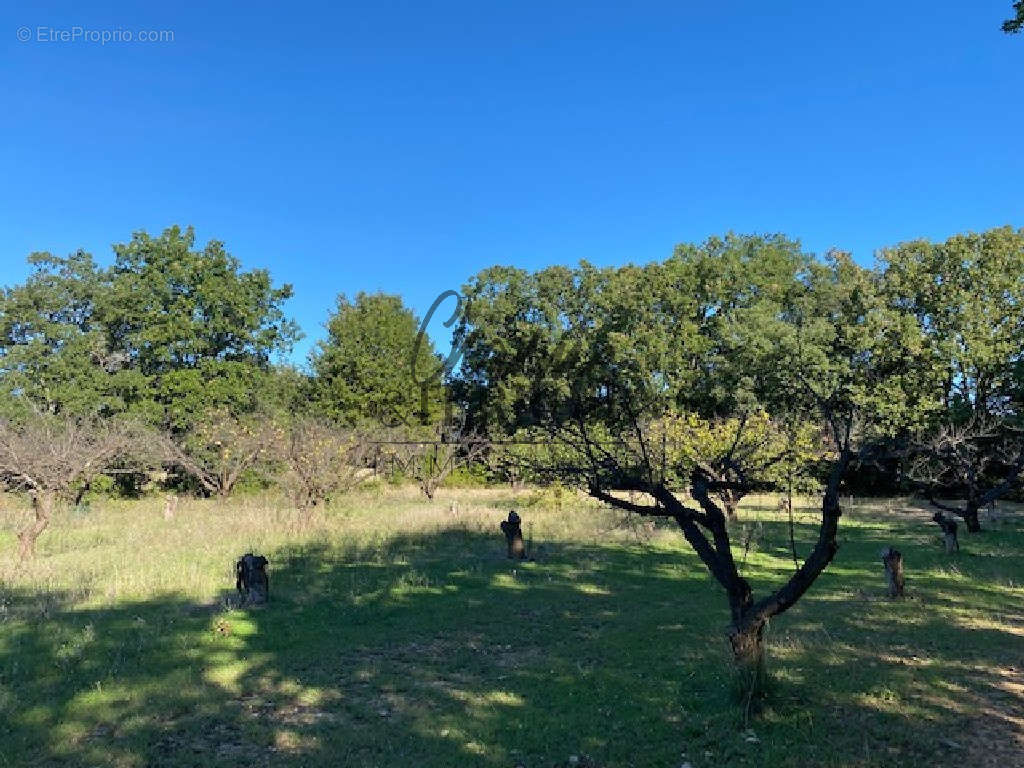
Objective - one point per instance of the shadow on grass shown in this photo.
(434, 650)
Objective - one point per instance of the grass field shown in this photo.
(399, 635)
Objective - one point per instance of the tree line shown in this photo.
(669, 390)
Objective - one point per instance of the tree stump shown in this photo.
(170, 507)
(251, 579)
(893, 562)
(513, 530)
(948, 527)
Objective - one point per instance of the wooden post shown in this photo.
(893, 562)
(170, 506)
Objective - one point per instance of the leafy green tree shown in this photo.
(597, 362)
(55, 355)
(966, 298)
(201, 330)
(166, 334)
(364, 371)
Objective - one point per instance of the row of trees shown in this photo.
(745, 363)
(55, 458)
(669, 390)
(170, 333)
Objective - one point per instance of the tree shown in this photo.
(54, 352)
(220, 449)
(980, 459)
(165, 334)
(1015, 24)
(319, 461)
(966, 299)
(364, 370)
(742, 453)
(602, 362)
(199, 328)
(47, 455)
(430, 455)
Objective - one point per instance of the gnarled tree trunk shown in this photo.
(42, 509)
(746, 638)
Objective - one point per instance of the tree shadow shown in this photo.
(435, 650)
(423, 649)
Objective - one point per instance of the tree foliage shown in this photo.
(166, 333)
(966, 299)
(365, 371)
(676, 377)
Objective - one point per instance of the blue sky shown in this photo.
(403, 146)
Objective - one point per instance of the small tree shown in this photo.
(982, 460)
(218, 451)
(47, 455)
(431, 460)
(320, 460)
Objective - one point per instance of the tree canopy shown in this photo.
(167, 332)
(364, 370)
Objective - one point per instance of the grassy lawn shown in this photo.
(399, 635)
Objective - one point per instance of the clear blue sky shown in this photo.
(402, 146)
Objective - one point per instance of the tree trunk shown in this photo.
(748, 655)
(42, 508)
(730, 503)
(970, 515)
(747, 641)
(951, 543)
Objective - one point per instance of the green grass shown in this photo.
(399, 635)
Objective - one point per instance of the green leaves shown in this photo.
(364, 369)
(965, 302)
(165, 334)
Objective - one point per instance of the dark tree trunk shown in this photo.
(42, 509)
(970, 515)
(747, 641)
(748, 656)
